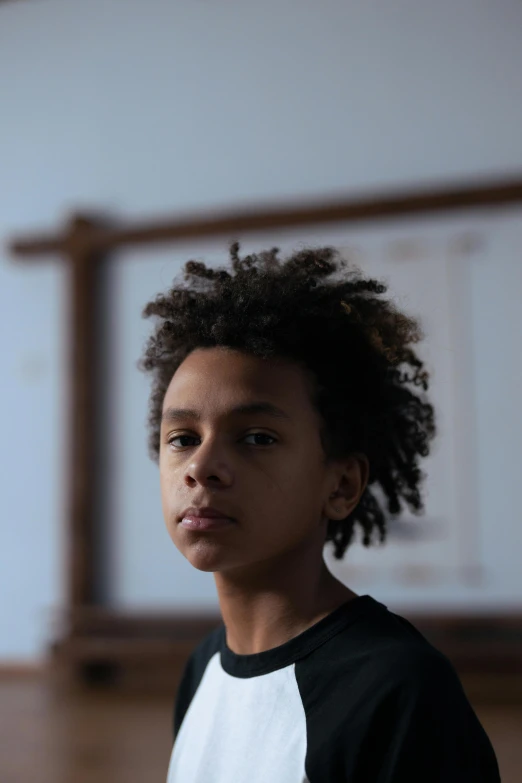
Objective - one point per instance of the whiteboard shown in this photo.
(459, 276)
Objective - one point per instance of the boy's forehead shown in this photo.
(236, 368)
(225, 378)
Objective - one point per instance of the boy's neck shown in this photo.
(269, 619)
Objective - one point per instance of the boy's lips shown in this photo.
(205, 512)
(206, 523)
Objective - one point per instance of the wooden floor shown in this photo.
(50, 736)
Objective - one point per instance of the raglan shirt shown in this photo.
(359, 697)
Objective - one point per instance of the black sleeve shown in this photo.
(183, 697)
(425, 730)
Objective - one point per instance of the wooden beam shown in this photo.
(82, 432)
(486, 643)
(234, 222)
(82, 481)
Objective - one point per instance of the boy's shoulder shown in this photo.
(201, 655)
(394, 704)
(193, 671)
(383, 652)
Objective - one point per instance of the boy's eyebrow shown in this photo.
(177, 414)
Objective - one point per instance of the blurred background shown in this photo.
(137, 112)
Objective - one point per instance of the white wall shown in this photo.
(147, 107)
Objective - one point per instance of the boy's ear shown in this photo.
(352, 481)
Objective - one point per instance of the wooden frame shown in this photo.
(93, 635)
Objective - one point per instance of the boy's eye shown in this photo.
(250, 435)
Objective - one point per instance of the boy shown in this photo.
(281, 399)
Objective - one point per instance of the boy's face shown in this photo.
(274, 485)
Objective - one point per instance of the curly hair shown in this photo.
(369, 383)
